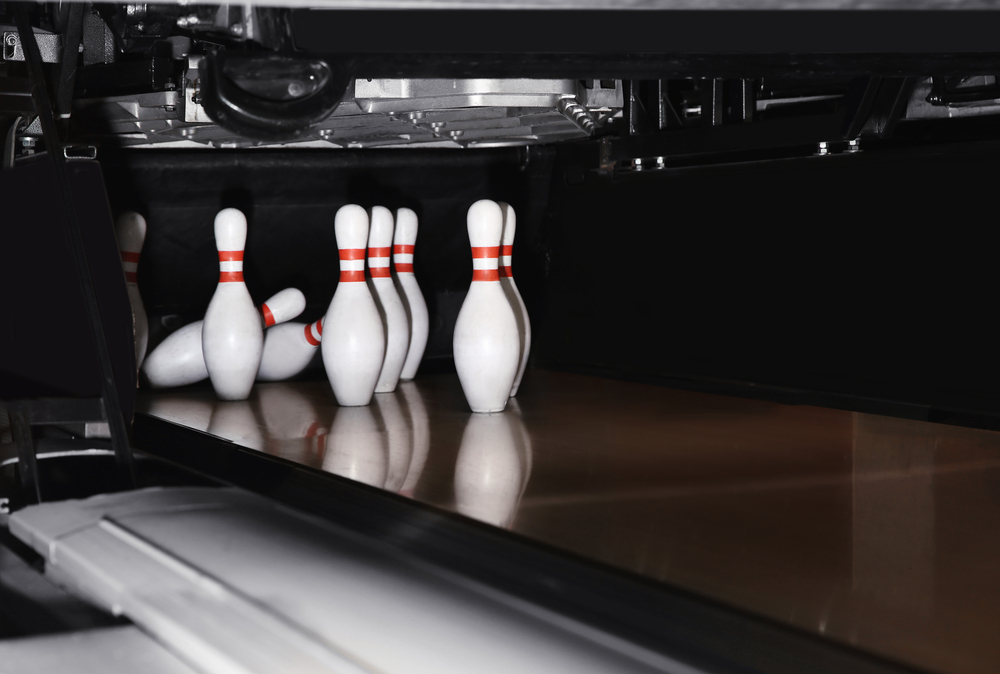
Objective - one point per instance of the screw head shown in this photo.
(236, 29)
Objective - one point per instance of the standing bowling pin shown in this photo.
(288, 349)
(354, 344)
(131, 233)
(510, 289)
(404, 240)
(232, 336)
(487, 344)
(390, 306)
(179, 359)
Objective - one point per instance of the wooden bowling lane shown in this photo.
(875, 532)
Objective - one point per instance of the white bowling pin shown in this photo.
(397, 440)
(179, 359)
(288, 349)
(354, 344)
(420, 433)
(232, 337)
(513, 294)
(131, 233)
(487, 344)
(403, 243)
(236, 421)
(390, 306)
(489, 474)
(355, 447)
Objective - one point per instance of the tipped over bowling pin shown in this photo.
(390, 306)
(487, 344)
(179, 360)
(513, 294)
(403, 243)
(353, 345)
(232, 337)
(131, 233)
(288, 349)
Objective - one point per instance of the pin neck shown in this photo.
(268, 316)
(230, 266)
(505, 254)
(378, 261)
(352, 265)
(484, 263)
(314, 332)
(130, 262)
(403, 258)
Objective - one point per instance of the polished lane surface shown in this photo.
(872, 531)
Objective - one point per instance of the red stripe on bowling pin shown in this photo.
(506, 252)
(378, 261)
(352, 265)
(402, 258)
(268, 316)
(130, 262)
(484, 263)
(230, 266)
(314, 331)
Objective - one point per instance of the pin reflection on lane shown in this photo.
(420, 435)
(295, 428)
(356, 447)
(492, 468)
(398, 439)
(236, 421)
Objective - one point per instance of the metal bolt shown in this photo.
(187, 132)
(437, 126)
(659, 162)
(455, 133)
(823, 149)
(236, 29)
(170, 108)
(854, 146)
(417, 114)
(637, 164)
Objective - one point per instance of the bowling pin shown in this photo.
(403, 242)
(397, 440)
(355, 447)
(232, 337)
(390, 306)
(487, 344)
(354, 344)
(489, 474)
(419, 432)
(179, 359)
(513, 295)
(131, 233)
(288, 349)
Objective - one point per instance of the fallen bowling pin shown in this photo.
(288, 349)
(513, 294)
(487, 345)
(353, 345)
(179, 359)
(130, 231)
(390, 306)
(403, 244)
